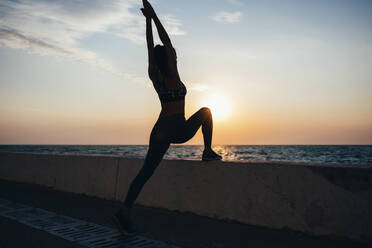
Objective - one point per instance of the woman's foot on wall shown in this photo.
(210, 155)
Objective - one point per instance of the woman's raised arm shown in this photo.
(150, 45)
(163, 35)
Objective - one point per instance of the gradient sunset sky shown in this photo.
(285, 72)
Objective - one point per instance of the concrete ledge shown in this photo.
(94, 176)
(317, 199)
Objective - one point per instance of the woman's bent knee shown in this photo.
(206, 111)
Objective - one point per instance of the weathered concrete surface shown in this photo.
(95, 176)
(185, 230)
(320, 200)
(29, 168)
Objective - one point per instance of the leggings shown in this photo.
(167, 130)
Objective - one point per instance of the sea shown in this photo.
(314, 154)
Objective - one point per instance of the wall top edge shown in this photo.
(224, 163)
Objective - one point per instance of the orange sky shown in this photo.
(288, 73)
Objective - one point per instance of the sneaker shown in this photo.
(124, 225)
(210, 156)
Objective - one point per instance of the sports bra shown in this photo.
(166, 95)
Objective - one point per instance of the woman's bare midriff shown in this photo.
(171, 108)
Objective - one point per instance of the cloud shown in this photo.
(66, 21)
(229, 17)
(13, 39)
(172, 25)
(56, 28)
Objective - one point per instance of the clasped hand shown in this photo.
(147, 9)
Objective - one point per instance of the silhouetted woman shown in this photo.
(171, 126)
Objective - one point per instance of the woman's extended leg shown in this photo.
(154, 156)
(158, 146)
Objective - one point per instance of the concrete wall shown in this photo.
(321, 200)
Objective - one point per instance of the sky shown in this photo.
(272, 72)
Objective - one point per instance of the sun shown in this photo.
(219, 105)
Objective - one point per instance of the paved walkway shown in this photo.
(181, 229)
(78, 231)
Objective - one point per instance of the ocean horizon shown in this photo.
(315, 154)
